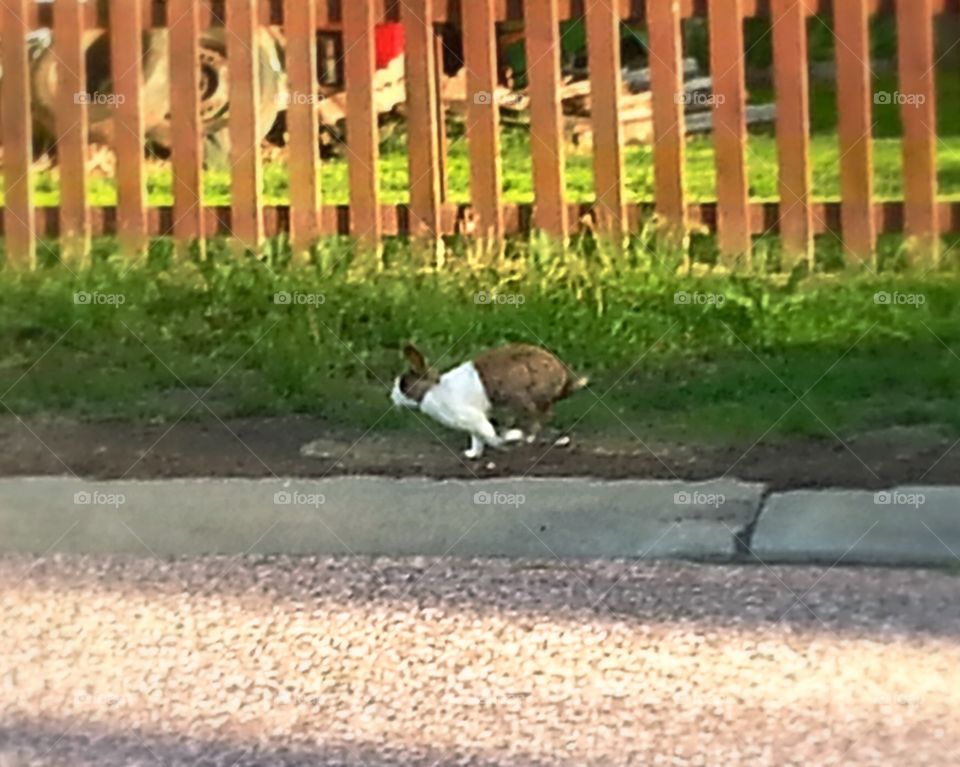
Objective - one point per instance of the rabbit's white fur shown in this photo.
(459, 400)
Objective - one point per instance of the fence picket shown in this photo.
(603, 49)
(71, 122)
(483, 116)
(303, 123)
(546, 115)
(186, 129)
(423, 117)
(246, 210)
(126, 51)
(669, 134)
(789, 29)
(854, 99)
(19, 224)
(359, 18)
(919, 115)
(727, 69)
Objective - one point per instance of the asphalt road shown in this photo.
(275, 661)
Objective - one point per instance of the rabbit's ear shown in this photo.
(418, 364)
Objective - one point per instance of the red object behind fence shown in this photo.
(390, 43)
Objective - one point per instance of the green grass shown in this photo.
(666, 369)
(518, 180)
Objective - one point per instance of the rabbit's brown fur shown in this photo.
(525, 378)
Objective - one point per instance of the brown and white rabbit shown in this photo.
(522, 379)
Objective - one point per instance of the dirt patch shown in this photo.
(267, 447)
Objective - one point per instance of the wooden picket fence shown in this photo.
(857, 218)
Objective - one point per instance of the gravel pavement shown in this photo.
(309, 661)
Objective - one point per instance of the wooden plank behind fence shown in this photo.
(669, 132)
(422, 114)
(789, 25)
(20, 240)
(854, 99)
(603, 46)
(918, 91)
(483, 116)
(246, 165)
(359, 18)
(126, 52)
(546, 115)
(71, 121)
(730, 128)
(186, 129)
(300, 25)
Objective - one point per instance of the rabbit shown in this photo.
(522, 379)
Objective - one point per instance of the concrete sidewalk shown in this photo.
(723, 520)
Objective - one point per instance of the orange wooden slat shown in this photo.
(854, 99)
(546, 115)
(603, 46)
(246, 164)
(669, 132)
(146, 15)
(919, 114)
(264, 12)
(126, 51)
(19, 226)
(186, 128)
(483, 116)
(730, 128)
(359, 18)
(793, 129)
(300, 24)
(72, 131)
(422, 114)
